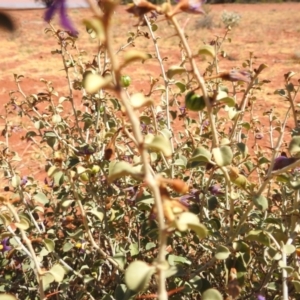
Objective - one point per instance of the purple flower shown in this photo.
(260, 297)
(196, 7)
(215, 190)
(184, 200)
(4, 247)
(259, 135)
(282, 161)
(191, 6)
(24, 180)
(60, 7)
(237, 75)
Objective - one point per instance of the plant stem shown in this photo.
(200, 80)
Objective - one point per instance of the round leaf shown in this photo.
(138, 100)
(212, 294)
(7, 297)
(15, 181)
(294, 146)
(188, 220)
(58, 272)
(50, 245)
(174, 70)
(261, 202)
(138, 275)
(222, 252)
(201, 154)
(223, 155)
(122, 168)
(134, 55)
(47, 279)
(289, 249)
(94, 82)
(229, 101)
(95, 28)
(207, 50)
(158, 143)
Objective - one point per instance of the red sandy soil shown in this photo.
(270, 31)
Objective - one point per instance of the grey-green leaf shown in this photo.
(138, 275)
(174, 70)
(7, 297)
(58, 272)
(201, 154)
(49, 244)
(158, 143)
(294, 146)
(212, 294)
(223, 155)
(261, 202)
(222, 252)
(207, 50)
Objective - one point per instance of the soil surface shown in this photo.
(270, 31)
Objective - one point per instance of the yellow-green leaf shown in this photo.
(138, 275)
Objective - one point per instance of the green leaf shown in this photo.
(49, 244)
(23, 224)
(222, 252)
(261, 68)
(138, 275)
(150, 246)
(212, 203)
(67, 247)
(120, 258)
(122, 168)
(154, 27)
(180, 162)
(145, 119)
(56, 119)
(175, 70)
(158, 143)
(7, 297)
(58, 272)
(261, 202)
(282, 265)
(232, 112)
(181, 86)
(58, 178)
(39, 124)
(98, 212)
(294, 146)
(243, 149)
(138, 100)
(77, 234)
(47, 279)
(212, 294)
(223, 155)
(94, 82)
(67, 203)
(134, 55)
(201, 154)
(41, 198)
(174, 260)
(15, 181)
(289, 249)
(95, 28)
(229, 101)
(207, 50)
(294, 282)
(134, 249)
(274, 253)
(258, 236)
(188, 220)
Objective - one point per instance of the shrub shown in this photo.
(230, 18)
(129, 207)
